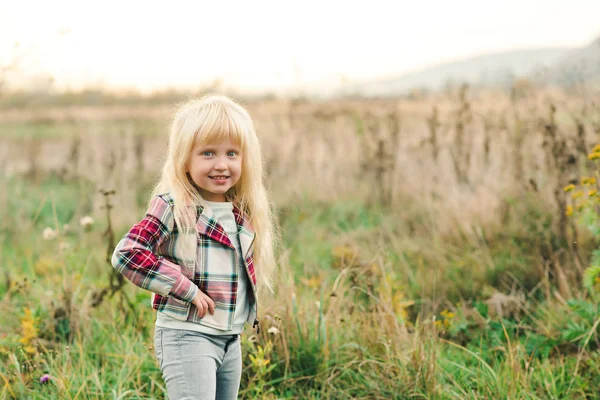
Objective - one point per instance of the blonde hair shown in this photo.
(211, 119)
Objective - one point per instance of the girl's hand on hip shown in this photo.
(203, 303)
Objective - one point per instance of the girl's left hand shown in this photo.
(203, 303)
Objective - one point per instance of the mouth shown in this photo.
(219, 177)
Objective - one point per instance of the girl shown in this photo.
(208, 224)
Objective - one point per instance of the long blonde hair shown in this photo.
(206, 120)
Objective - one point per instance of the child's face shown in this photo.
(215, 168)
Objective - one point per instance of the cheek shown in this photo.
(238, 168)
(198, 165)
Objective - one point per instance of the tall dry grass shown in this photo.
(460, 154)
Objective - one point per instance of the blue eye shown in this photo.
(207, 153)
(232, 153)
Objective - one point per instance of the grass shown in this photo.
(356, 318)
(453, 290)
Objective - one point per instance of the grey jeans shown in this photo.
(199, 366)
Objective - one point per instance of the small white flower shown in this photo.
(273, 330)
(49, 233)
(66, 228)
(64, 246)
(86, 221)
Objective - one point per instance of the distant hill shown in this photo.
(488, 69)
(576, 66)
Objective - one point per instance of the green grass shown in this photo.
(352, 344)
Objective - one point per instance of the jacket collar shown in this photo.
(208, 225)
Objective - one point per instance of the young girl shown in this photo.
(208, 224)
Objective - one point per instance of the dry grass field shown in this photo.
(431, 248)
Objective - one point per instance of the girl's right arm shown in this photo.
(135, 255)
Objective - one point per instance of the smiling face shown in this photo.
(215, 168)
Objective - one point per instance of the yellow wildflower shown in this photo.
(592, 181)
(259, 362)
(594, 156)
(569, 211)
(596, 148)
(446, 321)
(29, 332)
(313, 282)
(260, 358)
(401, 305)
(344, 252)
(592, 193)
(344, 256)
(577, 194)
(568, 188)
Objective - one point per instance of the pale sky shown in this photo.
(260, 44)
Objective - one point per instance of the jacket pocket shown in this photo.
(177, 309)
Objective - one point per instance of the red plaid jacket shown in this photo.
(147, 257)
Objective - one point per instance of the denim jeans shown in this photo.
(199, 366)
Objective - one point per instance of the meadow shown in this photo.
(434, 247)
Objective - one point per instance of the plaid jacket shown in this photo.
(146, 256)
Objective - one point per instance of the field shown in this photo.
(434, 247)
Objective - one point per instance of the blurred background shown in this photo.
(269, 48)
(432, 167)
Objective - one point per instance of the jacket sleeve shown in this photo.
(135, 255)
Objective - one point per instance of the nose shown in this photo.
(221, 165)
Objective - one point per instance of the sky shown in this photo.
(262, 45)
